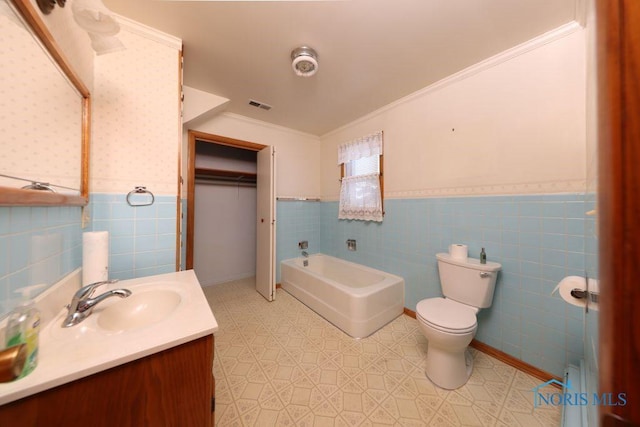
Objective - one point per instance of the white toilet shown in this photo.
(449, 323)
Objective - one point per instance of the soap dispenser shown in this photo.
(23, 327)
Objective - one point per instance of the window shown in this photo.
(363, 166)
(361, 189)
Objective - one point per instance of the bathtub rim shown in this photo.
(361, 292)
(353, 323)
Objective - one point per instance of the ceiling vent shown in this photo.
(259, 105)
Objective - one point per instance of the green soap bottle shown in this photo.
(23, 326)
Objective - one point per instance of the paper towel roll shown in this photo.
(570, 283)
(95, 256)
(459, 251)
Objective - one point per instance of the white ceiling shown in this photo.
(370, 52)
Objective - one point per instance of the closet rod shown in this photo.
(225, 175)
(219, 182)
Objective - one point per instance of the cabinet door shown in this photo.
(213, 400)
(170, 388)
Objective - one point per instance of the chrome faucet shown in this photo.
(82, 304)
(305, 254)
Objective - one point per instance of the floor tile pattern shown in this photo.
(281, 364)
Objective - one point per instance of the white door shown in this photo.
(266, 226)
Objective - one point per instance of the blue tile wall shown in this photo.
(142, 239)
(38, 245)
(296, 221)
(538, 239)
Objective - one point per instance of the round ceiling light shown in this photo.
(304, 61)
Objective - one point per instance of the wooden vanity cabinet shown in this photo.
(171, 388)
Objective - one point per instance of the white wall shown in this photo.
(592, 101)
(225, 217)
(136, 128)
(298, 166)
(225, 233)
(136, 114)
(513, 124)
(198, 102)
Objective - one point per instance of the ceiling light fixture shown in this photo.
(94, 17)
(304, 61)
(46, 6)
(99, 23)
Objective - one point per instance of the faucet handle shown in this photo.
(88, 290)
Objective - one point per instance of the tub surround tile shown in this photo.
(538, 239)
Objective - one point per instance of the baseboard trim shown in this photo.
(506, 358)
(409, 313)
(516, 363)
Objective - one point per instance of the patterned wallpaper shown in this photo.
(136, 134)
(41, 120)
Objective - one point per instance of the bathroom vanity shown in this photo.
(133, 374)
(170, 388)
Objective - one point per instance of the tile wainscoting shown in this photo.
(38, 245)
(538, 239)
(142, 239)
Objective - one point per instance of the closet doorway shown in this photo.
(231, 211)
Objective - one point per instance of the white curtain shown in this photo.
(366, 146)
(360, 196)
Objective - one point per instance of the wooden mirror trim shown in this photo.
(18, 197)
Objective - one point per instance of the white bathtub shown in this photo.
(357, 299)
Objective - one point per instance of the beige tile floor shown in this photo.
(281, 364)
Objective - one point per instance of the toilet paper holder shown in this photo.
(584, 294)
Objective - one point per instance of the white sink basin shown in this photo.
(138, 310)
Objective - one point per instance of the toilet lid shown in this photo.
(447, 314)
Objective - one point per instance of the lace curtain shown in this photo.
(360, 196)
(366, 146)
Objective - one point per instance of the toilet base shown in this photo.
(448, 370)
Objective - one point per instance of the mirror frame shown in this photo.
(19, 197)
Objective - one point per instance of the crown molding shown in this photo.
(502, 57)
(149, 32)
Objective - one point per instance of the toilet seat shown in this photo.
(447, 315)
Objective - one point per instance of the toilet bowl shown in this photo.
(449, 324)
(449, 334)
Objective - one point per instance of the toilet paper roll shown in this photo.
(569, 284)
(95, 256)
(459, 251)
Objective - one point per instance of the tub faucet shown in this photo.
(82, 304)
(305, 254)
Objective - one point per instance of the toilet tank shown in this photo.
(468, 282)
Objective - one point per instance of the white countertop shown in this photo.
(68, 354)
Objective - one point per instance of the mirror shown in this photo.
(45, 114)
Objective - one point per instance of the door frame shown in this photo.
(193, 136)
(618, 44)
